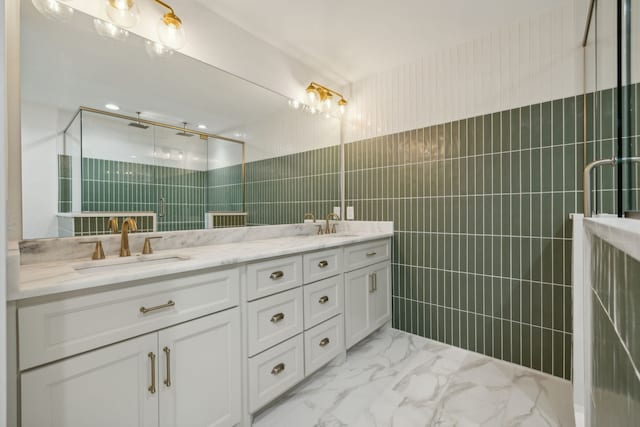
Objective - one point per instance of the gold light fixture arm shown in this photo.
(169, 18)
(163, 4)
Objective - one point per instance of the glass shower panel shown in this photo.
(180, 179)
(630, 61)
(117, 165)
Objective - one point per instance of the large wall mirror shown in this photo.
(120, 127)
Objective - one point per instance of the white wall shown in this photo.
(3, 224)
(531, 61)
(41, 138)
(287, 132)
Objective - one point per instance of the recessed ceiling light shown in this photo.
(113, 107)
(202, 126)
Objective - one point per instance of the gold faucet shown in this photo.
(112, 224)
(309, 216)
(128, 224)
(331, 215)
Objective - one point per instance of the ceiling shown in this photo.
(354, 38)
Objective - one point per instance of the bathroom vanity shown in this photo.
(201, 336)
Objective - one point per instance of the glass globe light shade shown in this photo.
(109, 29)
(124, 13)
(171, 31)
(53, 9)
(157, 50)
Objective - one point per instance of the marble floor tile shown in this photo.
(395, 379)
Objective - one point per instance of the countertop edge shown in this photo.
(99, 282)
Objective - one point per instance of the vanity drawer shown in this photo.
(363, 254)
(322, 300)
(52, 330)
(323, 343)
(323, 264)
(277, 275)
(274, 319)
(273, 372)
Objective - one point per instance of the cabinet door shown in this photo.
(381, 295)
(106, 387)
(199, 377)
(357, 287)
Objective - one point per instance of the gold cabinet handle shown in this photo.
(375, 282)
(145, 310)
(276, 275)
(324, 342)
(277, 369)
(371, 254)
(371, 283)
(167, 353)
(323, 264)
(277, 317)
(323, 300)
(152, 358)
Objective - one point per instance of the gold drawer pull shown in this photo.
(323, 264)
(276, 275)
(152, 387)
(324, 342)
(277, 317)
(371, 254)
(145, 310)
(323, 300)
(167, 352)
(277, 369)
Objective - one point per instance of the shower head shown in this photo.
(184, 131)
(138, 124)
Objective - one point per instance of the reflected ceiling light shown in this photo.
(124, 13)
(170, 29)
(55, 9)
(109, 29)
(202, 126)
(112, 107)
(321, 98)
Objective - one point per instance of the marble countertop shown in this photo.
(53, 277)
(622, 233)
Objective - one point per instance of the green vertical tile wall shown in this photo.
(281, 190)
(64, 183)
(616, 351)
(224, 189)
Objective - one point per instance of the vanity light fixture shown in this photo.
(124, 13)
(321, 99)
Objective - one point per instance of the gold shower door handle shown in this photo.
(152, 358)
(167, 353)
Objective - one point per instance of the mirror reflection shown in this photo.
(113, 129)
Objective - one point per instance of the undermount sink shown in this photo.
(126, 262)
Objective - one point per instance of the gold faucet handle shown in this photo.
(319, 230)
(112, 224)
(98, 251)
(146, 248)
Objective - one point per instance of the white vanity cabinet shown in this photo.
(94, 368)
(367, 290)
(185, 375)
